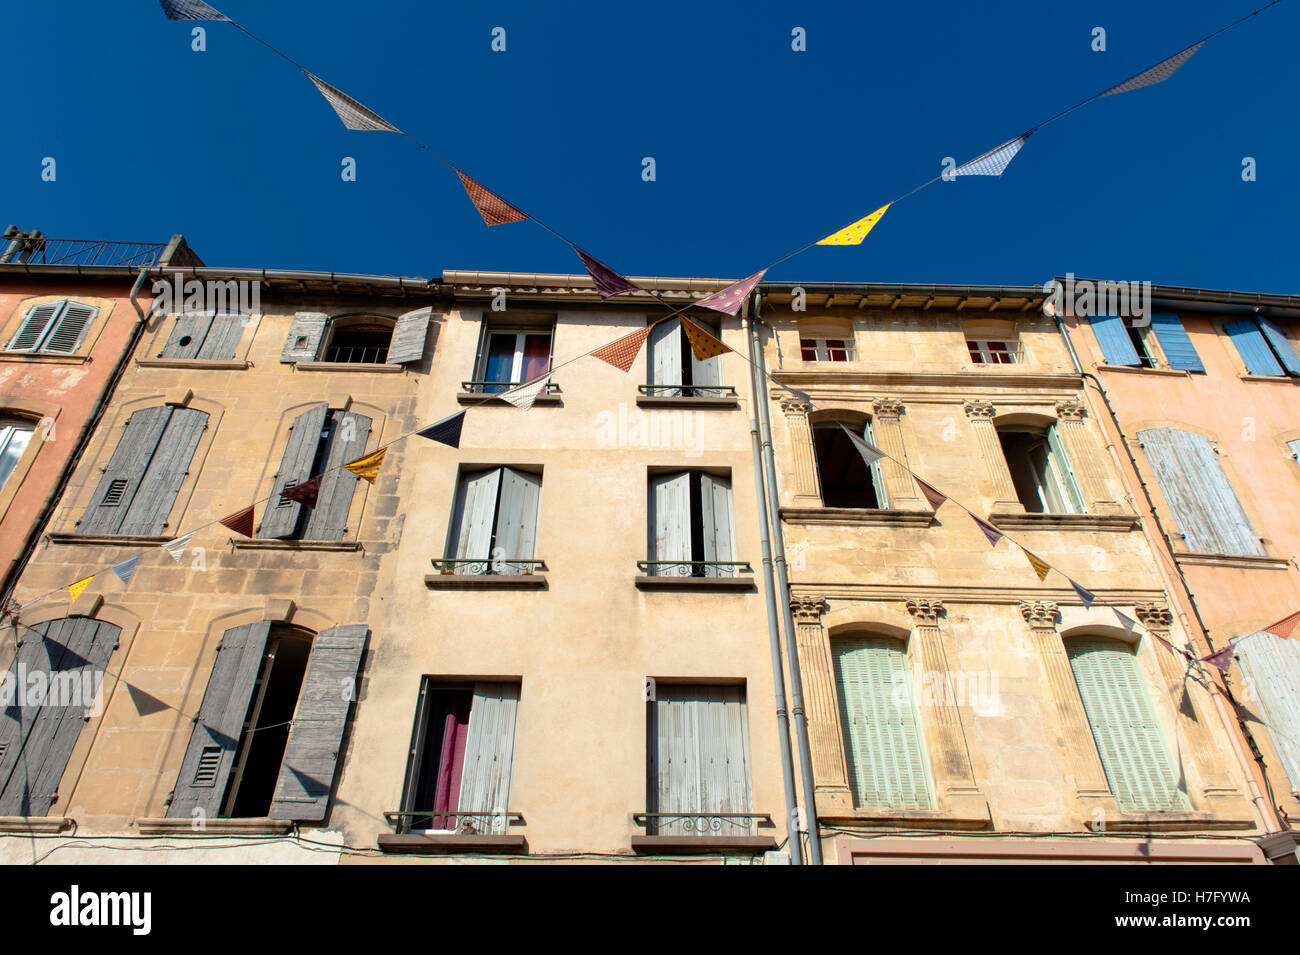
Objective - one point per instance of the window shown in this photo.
(359, 341)
(139, 486)
(494, 523)
(54, 327)
(462, 758)
(1272, 666)
(320, 443)
(365, 339)
(672, 368)
(990, 352)
(204, 336)
(1144, 356)
(886, 757)
(1040, 470)
(15, 435)
(827, 349)
(698, 760)
(1263, 347)
(690, 526)
(36, 741)
(1128, 738)
(1195, 487)
(512, 356)
(271, 725)
(846, 480)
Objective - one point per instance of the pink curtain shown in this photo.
(537, 356)
(455, 728)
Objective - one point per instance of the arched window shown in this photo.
(1039, 469)
(882, 740)
(15, 435)
(359, 339)
(845, 478)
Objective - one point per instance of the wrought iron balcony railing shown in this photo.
(496, 387)
(26, 249)
(687, 391)
(694, 568)
(701, 823)
(485, 566)
(457, 820)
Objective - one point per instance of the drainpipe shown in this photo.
(773, 635)
(783, 583)
(1264, 808)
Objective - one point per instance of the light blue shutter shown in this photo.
(708, 372)
(38, 320)
(1252, 347)
(70, 329)
(1273, 666)
(699, 758)
(1281, 346)
(1204, 505)
(516, 521)
(886, 758)
(1113, 338)
(1295, 448)
(471, 527)
(715, 520)
(877, 469)
(1129, 741)
(670, 522)
(490, 755)
(665, 364)
(1062, 464)
(1175, 342)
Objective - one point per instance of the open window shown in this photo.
(690, 526)
(320, 442)
(511, 355)
(15, 436)
(494, 523)
(1123, 343)
(54, 327)
(845, 479)
(673, 370)
(1040, 470)
(1263, 346)
(359, 340)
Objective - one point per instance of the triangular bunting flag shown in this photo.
(801, 395)
(1086, 596)
(177, 547)
(524, 395)
(368, 467)
(352, 113)
(1221, 658)
(730, 299)
(493, 209)
(870, 453)
(447, 431)
(623, 352)
(1284, 627)
(855, 233)
(993, 162)
(608, 282)
(1127, 622)
(125, 570)
(190, 10)
(992, 533)
(241, 522)
(1041, 567)
(1170, 647)
(146, 704)
(1157, 74)
(933, 495)
(74, 590)
(703, 345)
(304, 493)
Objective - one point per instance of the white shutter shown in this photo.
(709, 371)
(670, 522)
(699, 758)
(665, 364)
(715, 518)
(476, 504)
(516, 524)
(489, 755)
(409, 335)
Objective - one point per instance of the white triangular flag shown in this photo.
(177, 547)
(524, 395)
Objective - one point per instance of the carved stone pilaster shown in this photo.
(925, 610)
(1154, 617)
(1040, 613)
(1085, 456)
(791, 405)
(806, 491)
(808, 609)
(887, 428)
(830, 769)
(887, 407)
(1005, 499)
(1071, 410)
(975, 408)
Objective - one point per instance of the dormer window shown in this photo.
(992, 342)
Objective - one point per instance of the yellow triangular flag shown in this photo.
(76, 589)
(1041, 566)
(854, 234)
(368, 467)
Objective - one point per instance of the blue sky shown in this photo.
(759, 149)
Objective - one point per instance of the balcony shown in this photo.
(456, 831)
(486, 573)
(23, 248)
(687, 396)
(694, 575)
(475, 392)
(693, 833)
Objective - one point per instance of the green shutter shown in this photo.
(1062, 462)
(1124, 726)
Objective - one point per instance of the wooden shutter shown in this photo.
(71, 328)
(171, 461)
(223, 337)
(409, 336)
(1294, 447)
(1128, 737)
(188, 335)
(1113, 338)
(36, 741)
(1281, 346)
(1061, 462)
(470, 537)
(1204, 505)
(349, 433)
(887, 766)
(1174, 341)
(205, 770)
(490, 754)
(280, 518)
(665, 363)
(715, 520)
(670, 522)
(311, 755)
(126, 469)
(1273, 667)
(1253, 348)
(877, 469)
(37, 322)
(708, 372)
(305, 334)
(516, 524)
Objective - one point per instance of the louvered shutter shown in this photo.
(280, 518)
(1273, 666)
(32, 332)
(470, 537)
(1281, 346)
(210, 756)
(328, 520)
(665, 364)
(70, 329)
(1294, 447)
(223, 337)
(1061, 461)
(1128, 738)
(311, 755)
(36, 741)
(1175, 342)
(171, 461)
(708, 372)
(489, 755)
(409, 336)
(126, 469)
(305, 334)
(887, 767)
(1197, 491)
(1253, 348)
(1113, 338)
(516, 524)
(188, 335)
(670, 523)
(715, 520)
(877, 469)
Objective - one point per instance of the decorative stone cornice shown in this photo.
(925, 610)
(808, 609)
(1040, 613)
(1068, 408)
(794, 406)
(975, 408)
(1154, 617)
(888, 407)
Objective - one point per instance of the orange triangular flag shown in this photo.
(493, 209)
(1284, 627)
(74, 590)
(623, 352)
(703, 345)
(1041, 567)
(240, 522)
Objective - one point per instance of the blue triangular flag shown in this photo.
(993, 162)
(1086, 596)
(446, 431)
(126, 569)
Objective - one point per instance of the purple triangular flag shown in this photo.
(1085, 595)
(729, 299)
(992, 533)
(608, 282)
(933, 495)
(126, 569)
(446, 431)
(1221, 658)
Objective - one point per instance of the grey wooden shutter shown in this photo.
(665, 364)
(126, 469)
(171, 461)
(1281, 346)
(223, 337)
(1174, 340)
(516, 525)
(489, 755)
(715, 518)
(71, 328)
(36, 741)
(409, 336)
(1204, 505)
(281, 517)
(205, 770)
(1273, 668)
(670, 522)
(470, 537)
(347, 442)
(188, 335)
(32, 332)
(708, 372)
(305, 334)
(311, 755)
(1112, 336)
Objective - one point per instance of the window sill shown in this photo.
(702, 845)
(34, 825)
(416, 842)
(645, 582)
(374, 367)
(123, 540)
(276, 544)
(951, 818)
(1172, 821)
(683, 402)
(214, 827)
(861, 516)
(485, 581)
(1139, 370)
(1233, 560)
(42, 359)
(1266, 378)
(231, 365)
(1061, 522)
(481, 398)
